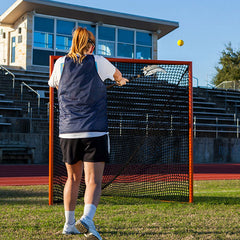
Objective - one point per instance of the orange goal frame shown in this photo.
(190, 116)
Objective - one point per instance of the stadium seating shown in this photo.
(214, 114)
(24, 107)
(20, 116)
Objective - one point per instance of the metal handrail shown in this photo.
(217, 125)
(195, 78)
(227, 82)
(210, 85)
(8, 72)
(38, 95)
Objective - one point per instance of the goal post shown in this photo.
(151, 134)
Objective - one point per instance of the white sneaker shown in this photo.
(70, 229)
(86, 226)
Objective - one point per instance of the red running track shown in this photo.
(19, 175)
(216, 171)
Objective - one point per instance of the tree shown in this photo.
(229, 69)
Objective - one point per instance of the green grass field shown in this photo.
(215, 214)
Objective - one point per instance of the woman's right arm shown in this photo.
(120, 80)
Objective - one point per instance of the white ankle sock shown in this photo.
(70, 217)
(89, 211)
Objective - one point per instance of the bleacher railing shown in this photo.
(23, 84)
(10, 73)
(216, 128)
(231, 85)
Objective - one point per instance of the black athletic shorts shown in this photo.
(93, 149)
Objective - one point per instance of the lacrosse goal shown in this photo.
(150, 127)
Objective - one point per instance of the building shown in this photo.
(31, 30)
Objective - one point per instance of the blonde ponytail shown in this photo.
(80, 44)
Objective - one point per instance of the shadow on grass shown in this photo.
(23, 195)
(209, 200)
(216, 200)
(117, 200)
(39, 195)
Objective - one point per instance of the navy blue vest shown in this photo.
(82, 98)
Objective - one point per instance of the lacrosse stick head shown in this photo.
(152, 69)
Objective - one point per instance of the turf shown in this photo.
(215, 214)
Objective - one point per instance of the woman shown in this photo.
(83, 127)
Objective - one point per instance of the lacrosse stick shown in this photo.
(146, 71)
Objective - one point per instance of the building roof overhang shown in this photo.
(65, 10)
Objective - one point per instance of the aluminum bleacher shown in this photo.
(22, 120)
(213, 109)
(25, 108)
(213, 115)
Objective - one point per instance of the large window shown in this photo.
(41, 57)
(43, 42)
(125, 47)
(54, 36)
(143, 45)
(106, 41)
(64, 35)
(43, 32)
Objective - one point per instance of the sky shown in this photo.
(205, 26)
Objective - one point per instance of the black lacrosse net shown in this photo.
(149, 136)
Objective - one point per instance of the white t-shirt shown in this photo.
(105, 70)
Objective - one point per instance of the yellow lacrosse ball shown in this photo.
(180, 42)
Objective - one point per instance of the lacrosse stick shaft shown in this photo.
(131, 78)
